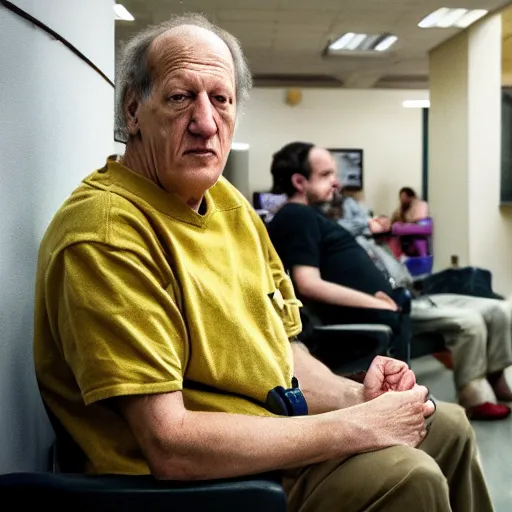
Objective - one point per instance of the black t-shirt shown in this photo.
(303, 236)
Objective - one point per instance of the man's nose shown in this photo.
(203, 123)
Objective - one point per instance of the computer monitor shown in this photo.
(349, 164)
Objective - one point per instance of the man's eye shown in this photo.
(221, 99)
(178, 98)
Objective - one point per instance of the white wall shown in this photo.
(56, 126)
(374, 120)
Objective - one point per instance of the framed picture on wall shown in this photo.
(349, 164)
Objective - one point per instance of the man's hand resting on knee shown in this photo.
(389, 408)
(393, 418)
(386, 374)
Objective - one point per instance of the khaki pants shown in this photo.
(477, 331)
(442, 475)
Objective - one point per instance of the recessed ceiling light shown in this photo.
(416, 104)
(471, 17)
(446, 17)
(386, 43)
(342, 42)
(361, 43)
(121, 13)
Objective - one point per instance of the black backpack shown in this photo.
(473, 281)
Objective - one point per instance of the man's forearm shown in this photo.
(331, 293)
(207, 445)
(324, 390)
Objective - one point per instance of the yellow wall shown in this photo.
(448, 150)
(506, 57)
(465, 153)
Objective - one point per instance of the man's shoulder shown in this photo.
(90, 214)
(295, 213)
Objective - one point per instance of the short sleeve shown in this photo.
(119, 327)
(296, 236)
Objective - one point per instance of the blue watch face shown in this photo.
(297, 401)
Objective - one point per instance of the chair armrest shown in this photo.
(347, 348)
(128, 493)
(360, 328)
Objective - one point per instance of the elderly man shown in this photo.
(164, 317)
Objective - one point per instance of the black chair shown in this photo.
(344, 348)
(68, 489)
(427, 344)
(82, 493)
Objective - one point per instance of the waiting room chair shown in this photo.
(344, 348)
(418, 236)
(123, 493)
(68, 489)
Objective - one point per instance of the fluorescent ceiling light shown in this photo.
(121, 13)
(355, 41)
(446, 17)
(416, 104)
(362, 42)
(342, 42)
(451, 18)
(471, 17)
(433, 18)
(386, 43)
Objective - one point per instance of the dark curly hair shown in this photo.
(289, 160)
(408, 191)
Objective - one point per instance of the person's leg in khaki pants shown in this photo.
(443, 475)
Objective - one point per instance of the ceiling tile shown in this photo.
(288, 36)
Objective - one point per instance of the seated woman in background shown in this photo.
(411, 209)
(355, 217)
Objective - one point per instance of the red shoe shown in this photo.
(445, 357)
(488, 412)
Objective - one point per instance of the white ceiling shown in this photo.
(284, 39)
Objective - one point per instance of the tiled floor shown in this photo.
(494, 438)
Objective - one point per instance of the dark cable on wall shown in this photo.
(26, 16)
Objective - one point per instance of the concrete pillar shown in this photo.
(56, 126)
(465, 153)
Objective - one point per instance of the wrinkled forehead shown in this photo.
(187, 46)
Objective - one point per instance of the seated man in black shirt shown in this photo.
(326, 263)
(334, 273)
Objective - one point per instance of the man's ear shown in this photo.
(299, 182)
(131, 110)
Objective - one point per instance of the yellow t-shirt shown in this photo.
(136, 292)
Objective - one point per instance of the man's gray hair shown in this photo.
(133, 72)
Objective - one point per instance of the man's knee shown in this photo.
(415, 475)
(397, 473)
(450, 427)
(473, 323)
(502, 313)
